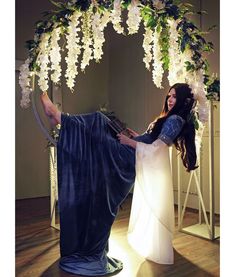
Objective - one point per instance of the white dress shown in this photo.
(151, 224)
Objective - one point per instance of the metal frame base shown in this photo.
(201, 230)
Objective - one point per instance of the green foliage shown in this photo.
(213, 87)
(189, 66)
(164, 42)
(192, 117)
(148, 17)
(190, 36)
(125, 4)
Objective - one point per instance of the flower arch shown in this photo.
(171, 42)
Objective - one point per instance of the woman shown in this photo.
(97, 171)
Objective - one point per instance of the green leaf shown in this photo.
(125, 4)
(151, 22)
(184, 42)
(146, 11)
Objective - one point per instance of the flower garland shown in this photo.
(24, 81)
(116, 17)
(55, 55)
(73, 49)
(87, 39)
(134, 17)
(178, 72)
(171, 42)
(147, 46)
(157, 73)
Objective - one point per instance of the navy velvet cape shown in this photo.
(95, 174)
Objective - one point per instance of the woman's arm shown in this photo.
(127, 141)
(132, 132)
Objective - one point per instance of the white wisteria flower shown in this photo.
(24, 81)
(175, 74)
(43, 61)
(74, 49)
(116, 17)
(98, 35)
(55, 55)
(157, 72)
(134, 17)
(199, 91)
(147, 46)
(105, 18)
(87, 39)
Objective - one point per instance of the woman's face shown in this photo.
(171, 99)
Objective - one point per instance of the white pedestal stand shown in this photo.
(207, 229)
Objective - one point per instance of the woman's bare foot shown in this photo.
(53, 114)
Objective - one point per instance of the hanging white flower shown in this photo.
(74, 49)
(198, 137)
(199, 90)
(87, 39)
(55, 55)
(182, 74)
(147, 46)
(116, 17)
(134, 17)
(98, 35)
(43, 61)
(196, 82)
(175, 74)
(105, 18)
(157, 72)
(24, 81)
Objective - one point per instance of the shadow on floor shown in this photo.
(55, 271)
(181, 267)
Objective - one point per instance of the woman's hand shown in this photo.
(132, 133)
(127, 141)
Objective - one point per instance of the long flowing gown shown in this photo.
(95, 174)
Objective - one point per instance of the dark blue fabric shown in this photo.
(95, 174)
(171, 128)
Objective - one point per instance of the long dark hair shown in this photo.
(185, 141)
